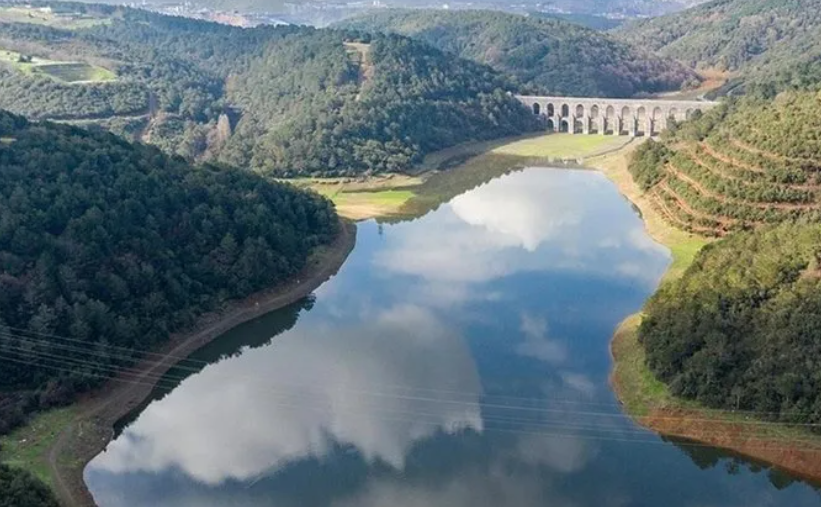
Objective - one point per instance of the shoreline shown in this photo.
(92, 427)
(643, 398)
(648, 401)
(398, 195)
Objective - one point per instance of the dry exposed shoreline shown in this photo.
(92, 428)
(648, 401)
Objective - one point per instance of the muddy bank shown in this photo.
(792, 449)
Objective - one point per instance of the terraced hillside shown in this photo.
(745, 164)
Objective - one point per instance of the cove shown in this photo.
(457, 359)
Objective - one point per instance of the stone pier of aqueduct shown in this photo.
(633, 117)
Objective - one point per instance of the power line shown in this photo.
(602, 435)
(197, 366)
(92, 349)
(169, 382)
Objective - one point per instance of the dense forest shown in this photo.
(750, 162)
(545, 55)
(740, 329)
(289, 100)
(18, 488)
(354, 107)
(758, 40)
(170, 72)
(105, 244)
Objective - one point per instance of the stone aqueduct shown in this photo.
(634, 117)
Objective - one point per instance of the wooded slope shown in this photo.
(739, 330)
(284, 100)
(757, 40)
(547, 55)
(105, 244)
(752, 162)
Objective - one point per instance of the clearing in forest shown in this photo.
(359, 53)
(49, 17)
(64, 71)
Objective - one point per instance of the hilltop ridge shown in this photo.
(545, 55)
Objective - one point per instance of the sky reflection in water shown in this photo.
(457, 360)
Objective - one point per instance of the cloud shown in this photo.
(536, 344)
(564, 454)
(512, 209)
(322, 386)
(579, 383)
(538, 220)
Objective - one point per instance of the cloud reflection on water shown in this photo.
(335, 382)
(536, 220)
(314, 388)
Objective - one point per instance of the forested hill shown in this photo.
(105, 244)
(751, 162)
(285, 100)
(740, 330)
(324, 102)
(762, 40)
(549, 55)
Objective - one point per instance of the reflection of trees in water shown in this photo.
(460, 175)
(452, 181)
(706, 457)
(253, 334)
(432, 464)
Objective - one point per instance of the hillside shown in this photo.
(740, 329)
(749, 163)
(105, 244)
(550, 55)
(760, 40)
(201, 90)
(346, 107)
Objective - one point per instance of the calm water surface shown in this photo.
(459, 360)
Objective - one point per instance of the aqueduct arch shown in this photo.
(633, 117)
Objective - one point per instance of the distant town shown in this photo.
(322, 13)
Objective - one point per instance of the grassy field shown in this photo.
(47, 17)
(562, 146)
(449, 172)
(637, 388)
(360, 205)
(75, 72)
(362, 198)
(26, 447)
(67, 72)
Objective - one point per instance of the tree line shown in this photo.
(106, 248)
(740, 329)
(544, 55)
(300, 99)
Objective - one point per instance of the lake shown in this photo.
(460, 359)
